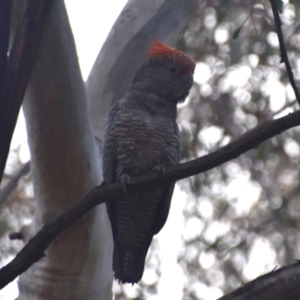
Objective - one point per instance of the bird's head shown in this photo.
(167, 73)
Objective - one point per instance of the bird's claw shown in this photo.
(160, 169)
(125, 180)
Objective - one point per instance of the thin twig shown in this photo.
(256, 30)
(35, 248)
(254, 27)
(13, 182)
(247, 17)
(237, 32)
(270, 116)
(284, 56)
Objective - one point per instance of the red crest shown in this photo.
(158, 48)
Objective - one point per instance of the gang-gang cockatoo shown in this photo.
(141, 135)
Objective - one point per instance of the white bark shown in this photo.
(65, 165)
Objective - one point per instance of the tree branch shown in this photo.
(13, 182)
(19, 66)
(281, 284)
(35, 248)
(284, 56)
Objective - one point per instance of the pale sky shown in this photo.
(91, 21)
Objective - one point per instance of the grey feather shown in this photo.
(141, 133)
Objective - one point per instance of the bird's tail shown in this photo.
(129, 264)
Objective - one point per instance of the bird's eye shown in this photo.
(173, 69)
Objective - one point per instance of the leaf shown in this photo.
(236, 33)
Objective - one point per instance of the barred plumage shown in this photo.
(141, 134)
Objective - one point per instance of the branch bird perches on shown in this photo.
(35, 248)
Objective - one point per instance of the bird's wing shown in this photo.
(163, 208)
(164, 205)
(109, 154)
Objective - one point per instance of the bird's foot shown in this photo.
(160, 169)
(125, 180)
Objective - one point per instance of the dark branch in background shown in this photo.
(15, 236)
(19, 66)
(13, 182)
(35, 248)
(284, 57)
(5, 18)
(281, 284)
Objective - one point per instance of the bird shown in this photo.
(141, 135)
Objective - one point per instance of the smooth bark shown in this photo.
(65, 165)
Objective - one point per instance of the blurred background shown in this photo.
(231, 224)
